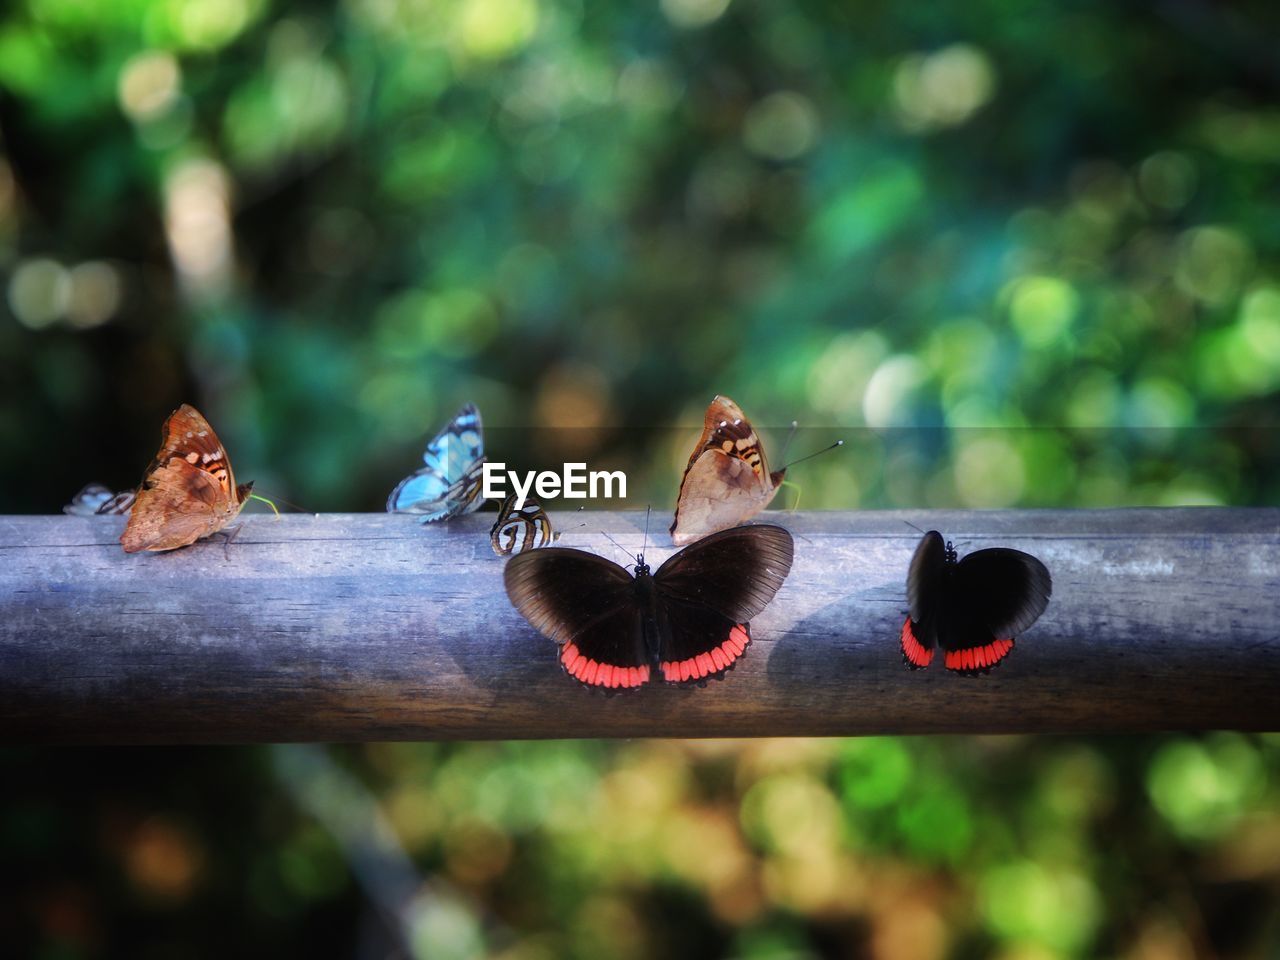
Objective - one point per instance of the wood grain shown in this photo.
(373, 627)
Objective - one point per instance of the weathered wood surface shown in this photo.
(342, 628)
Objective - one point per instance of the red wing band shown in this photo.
(596, 674)
(978, 659)
(709, 664)
(913, 651)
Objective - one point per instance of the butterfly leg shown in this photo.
(228, 535)
(795, 505)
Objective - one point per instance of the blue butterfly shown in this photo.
(449, 485)
(97, 500)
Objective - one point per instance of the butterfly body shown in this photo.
(973, 608)
(655, 627)
(449, 482)
(646, 596)
(688, 622)
(727, 479)
(188, 491)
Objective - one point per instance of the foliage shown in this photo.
(910, 848)
(332, 225)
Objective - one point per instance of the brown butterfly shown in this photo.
(727, 480)
(188, 491)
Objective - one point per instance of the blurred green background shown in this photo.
(1019, 254)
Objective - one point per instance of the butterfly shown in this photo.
(188, 491)
(449, 484)
(973, 607)
(520, 528)
(727, 480)
(689, 622)
(97, 500)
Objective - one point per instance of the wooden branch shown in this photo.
(373, 627)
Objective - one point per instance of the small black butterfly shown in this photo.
(689, 621)
(973, 607)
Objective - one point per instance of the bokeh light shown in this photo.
(943, 88)
(693, 13)
(782, 126)
(39, 292)
(149, 84)
(198, 225)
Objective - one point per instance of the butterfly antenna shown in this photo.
(912, 526)
(647, 511)
(838, 443)
(616, 544)
(287, 503)
(269, 503)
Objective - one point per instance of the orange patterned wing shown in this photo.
(727, 480)
(188, 491)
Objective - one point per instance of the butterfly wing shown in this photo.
(709, 592)
(423, 487)
(177, 505)
(518, 529)
(88, 501)
(95, 500)
(431, 495)
(464, 496)
(926, 599)
(449, 482)
(995, 595)
(188, 491)
(119, 505)
(727, 480)
(588, 606)
(458, 445)
(721, 410)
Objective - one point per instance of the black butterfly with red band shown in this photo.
(973, 608)
(688, 622)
